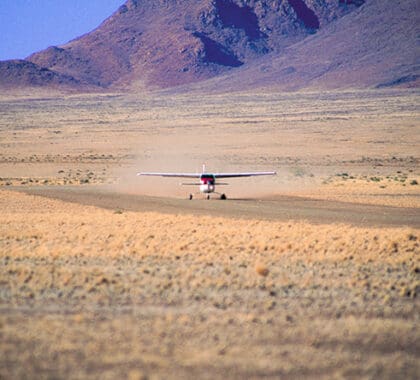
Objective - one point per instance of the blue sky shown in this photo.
(27, 26)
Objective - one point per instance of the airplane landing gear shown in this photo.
(208, 196)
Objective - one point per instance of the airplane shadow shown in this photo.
(230, 199)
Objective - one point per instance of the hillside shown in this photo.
(293, 44)
(375, 46)
(171, 42)
(21, 73)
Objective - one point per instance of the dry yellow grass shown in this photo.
(145, 294)
(262, 270)
(398, 190)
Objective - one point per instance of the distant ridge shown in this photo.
(21, 73)
(238, 44)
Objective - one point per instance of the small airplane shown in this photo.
(208, 181)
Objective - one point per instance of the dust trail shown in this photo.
(129, 182)
(171, 152)
(237, 188)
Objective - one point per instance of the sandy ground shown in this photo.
(311, 274)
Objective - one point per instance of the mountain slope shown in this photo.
(162, 43)
(375, 46)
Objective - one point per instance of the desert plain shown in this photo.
(314, 273)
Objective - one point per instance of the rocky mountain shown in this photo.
(166, 43)
(376, 46)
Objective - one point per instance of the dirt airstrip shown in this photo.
(280, 208)
(314, 273)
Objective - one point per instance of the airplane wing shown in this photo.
(251, 174)
(178, 175)
(198, 175)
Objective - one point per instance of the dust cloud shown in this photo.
(172, 154)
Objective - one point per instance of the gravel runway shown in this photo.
(276, 207)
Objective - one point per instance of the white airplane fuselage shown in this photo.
(207, 183)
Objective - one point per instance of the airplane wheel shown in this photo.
(208, 196)
(223, 196)
(191, 196)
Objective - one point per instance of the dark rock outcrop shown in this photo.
(21, 73)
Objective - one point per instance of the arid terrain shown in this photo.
(358, 146)
(314, 273)
(311, 274)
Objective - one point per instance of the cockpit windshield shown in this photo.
(207, 178)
